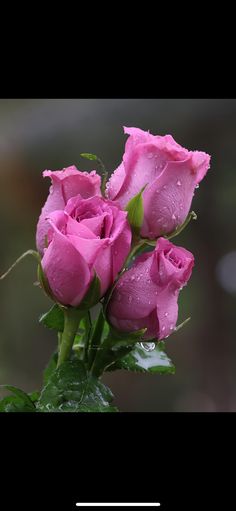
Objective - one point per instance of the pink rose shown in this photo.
(170, 173)
(66, 183)
(89, 235)
(146, 296)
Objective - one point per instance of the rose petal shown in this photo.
(168, 199)
(66, 270)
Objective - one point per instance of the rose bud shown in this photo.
(146, 296)
(66, 183)
(90, 235)
(170, 173)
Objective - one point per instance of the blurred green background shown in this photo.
(38, 134)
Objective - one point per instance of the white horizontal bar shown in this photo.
(118, 504)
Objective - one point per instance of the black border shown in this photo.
(179, 459)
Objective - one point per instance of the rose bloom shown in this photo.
(66, 183)
(89, 235)
(170, 173)
(146, 296)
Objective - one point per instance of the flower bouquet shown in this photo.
(106, 260)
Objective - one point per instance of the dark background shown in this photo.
(40, 134)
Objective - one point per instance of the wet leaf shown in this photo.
(140, 360)
(53, 319)
(19, 402)
(71, 389)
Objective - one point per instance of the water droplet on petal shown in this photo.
(178, 183)
(130, 299)
(166, 314)
(148, 346)
(173, 217)
(197, 186)
(150, 155)
(133, 277)
(163, 328)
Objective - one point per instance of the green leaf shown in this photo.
(71, 389)
(89, 156)
(54, 318)
(50, 368)
(115, 346)
(155, 361)
(20, 402)
(135, 211)
(34, 396)
(92, 296)
(13, 404)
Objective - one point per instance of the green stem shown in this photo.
(72, 319)
(133, 252)
(104, 176)
(191, 216)
(88, 326)
(101, 358)
(96, 338)
(59, 335)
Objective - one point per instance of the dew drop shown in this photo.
(150, 155)
(178, 183)
(163, 328)
(148, 346)
(133, 277)
(130, 299)
(166, 314)
(197, 186)
(173, 217)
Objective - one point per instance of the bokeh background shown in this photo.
(36, 134)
